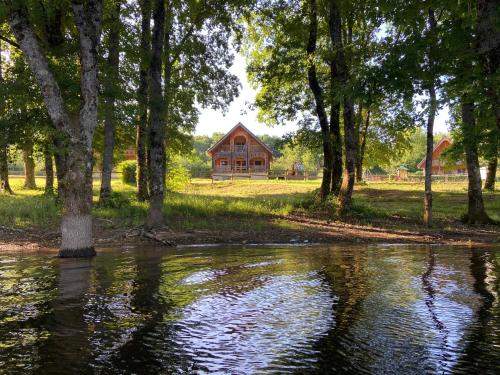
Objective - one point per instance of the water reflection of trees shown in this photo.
(149, 347)
(348, 277)
(484, 333)
(430, 302)
(66, 349)
(27, 286)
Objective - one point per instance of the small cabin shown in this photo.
(441, 166)
(402, 172)
(240, 154)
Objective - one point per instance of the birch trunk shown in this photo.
(142, 98)
(77, 133)
(111, 89)
(157, 126)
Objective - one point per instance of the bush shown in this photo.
(177, 176)
(128, 170)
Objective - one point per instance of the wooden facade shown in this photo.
(240, 154)
(439, 165)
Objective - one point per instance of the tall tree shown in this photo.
(4, 146)
(314, 85)
(196, 59)
(77, 129)
(156, 136)
(488, 49)
(431, 88)
(142, 99)
(111, 86)
(335, 29)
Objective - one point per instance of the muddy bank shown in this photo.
(297, 229)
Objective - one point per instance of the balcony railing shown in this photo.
(258, 168)
(240, 148)
(222, 169)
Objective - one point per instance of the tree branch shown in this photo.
(10, 41)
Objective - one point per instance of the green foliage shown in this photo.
(128, 170)
(177, 176)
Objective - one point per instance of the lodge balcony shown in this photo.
(240, 151)
(240, 169)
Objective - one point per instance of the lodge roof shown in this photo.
(445, 139)
(238, 125)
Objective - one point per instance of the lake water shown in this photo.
(243, 310)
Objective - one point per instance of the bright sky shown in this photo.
(215, 121)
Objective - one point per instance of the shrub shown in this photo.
(177, 176)
(128, 170)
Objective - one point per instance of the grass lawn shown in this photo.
(245, 205)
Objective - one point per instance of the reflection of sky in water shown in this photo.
(202, 277)
(253, 330)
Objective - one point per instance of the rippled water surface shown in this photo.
(377, 310)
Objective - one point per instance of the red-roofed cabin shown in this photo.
(240, 154)
(439, 165)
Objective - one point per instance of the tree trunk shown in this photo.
(49, 172)
(320, 106)
(430, 129)
(60, 162)
(491, 176)
(476, 213)
(428, 157)
(76, 225)
(29, 166)
(157, 126)
(4, 147)
(488, 48)
(346, 189)
(76, 183)
(4, 170)
(335, 131)
(111, 88)
(362, 147)
(345, 195)
(142, 98)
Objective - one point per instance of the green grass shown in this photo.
(248, 205)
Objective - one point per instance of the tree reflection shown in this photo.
(348, 278)
(67, 347)
(483, 335)
(430, 302)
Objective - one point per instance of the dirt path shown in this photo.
(297, 229)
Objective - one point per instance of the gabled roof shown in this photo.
(421, 165)
(238, 125)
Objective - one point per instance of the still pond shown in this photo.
(252, 310)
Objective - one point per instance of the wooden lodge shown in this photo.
(439, 165)
(240, 155)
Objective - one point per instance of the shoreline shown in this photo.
(307, 231)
